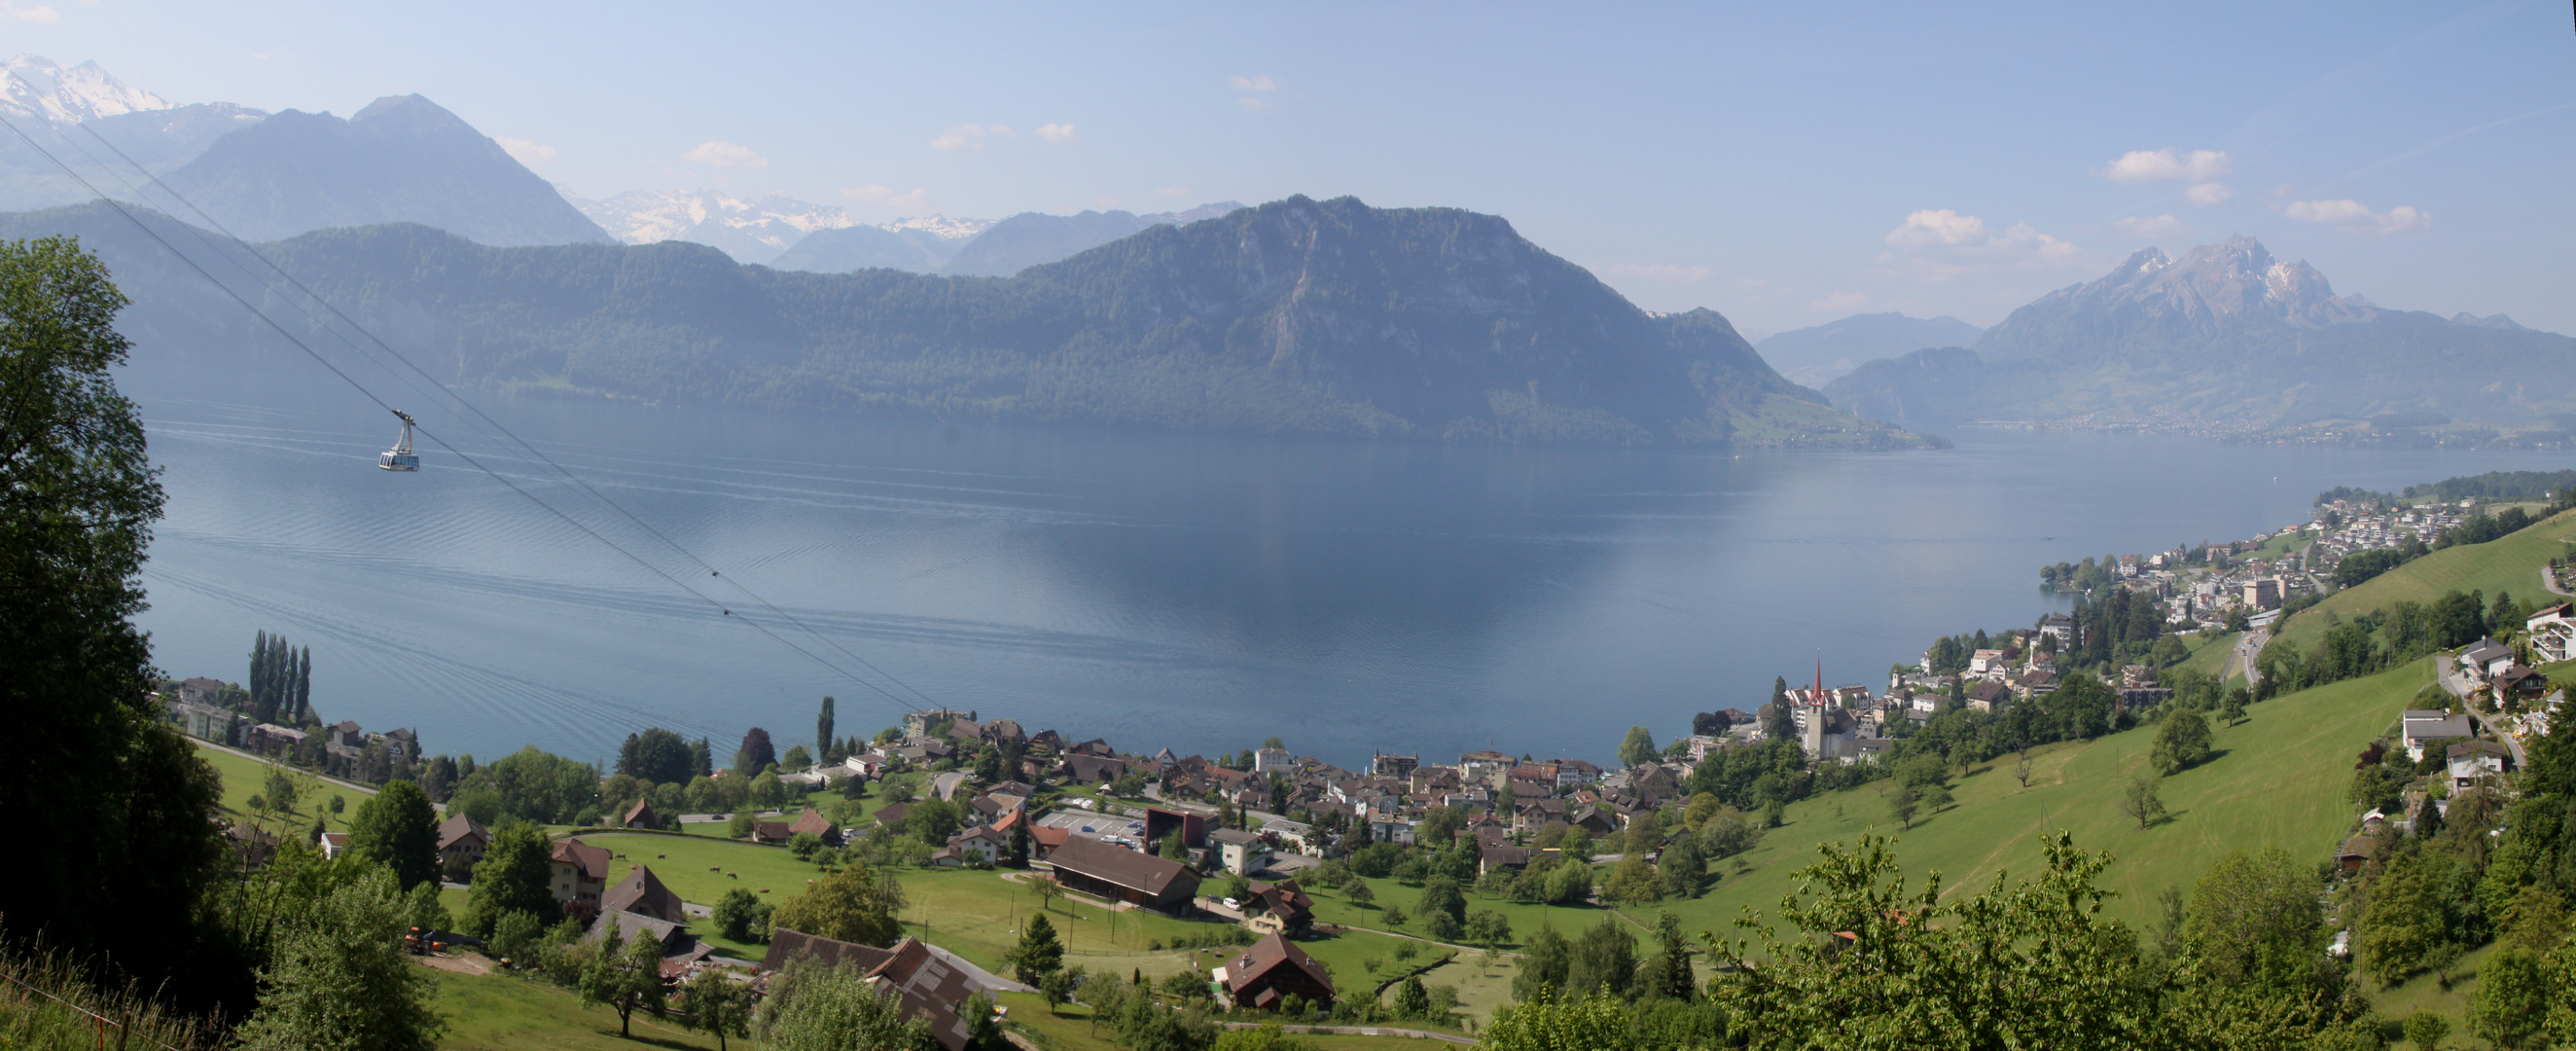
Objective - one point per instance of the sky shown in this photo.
(1783, 164)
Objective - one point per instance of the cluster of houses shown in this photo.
(209, 709)
(2363, 525)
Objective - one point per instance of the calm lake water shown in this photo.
(1158, 590)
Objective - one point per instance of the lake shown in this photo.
(1191, 592)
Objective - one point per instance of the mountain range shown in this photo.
(1295, 318)
(2225, 338)
(1818, 355)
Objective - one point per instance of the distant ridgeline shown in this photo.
(1295, 318)
(2227, 340)
(2493, 485)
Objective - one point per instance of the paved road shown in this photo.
(2246, 649)
(2459, 686)
(2552, 585)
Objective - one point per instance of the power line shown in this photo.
(470, 407)
(460, 454)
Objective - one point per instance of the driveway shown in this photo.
(2459, 687)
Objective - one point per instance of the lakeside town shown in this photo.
(1238, 846)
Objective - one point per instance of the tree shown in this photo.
(1685, 866)
(116, 850)
(712, 1002)
(339, 980)
(856, 904)
(2513, 997)
(1668, 974)
(755, 755)
(1633, 882)
(1440, 896)
(2142, 800)
(797, 758)
(741, 916)
(1605, 958)
(1638, 748)
(1777, 723)
(2181, 742)
(397, 828)
(2021, 760)
(1358, 893)
(1054, 987)
(1038, 954)
(1046, 889)
(512, 877)
(1546, 963)
(1412, 1001)
(815, 1008)
(1489, 928)
(623, 975)
(2253, 914)
(1175, 848)
(2425, 1030)
(2402, 923)
(825, 744)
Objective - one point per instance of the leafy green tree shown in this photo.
(518, 937)
(1266, 1037)
(1358, 892)
(1489, 928)
(857, 904)
(2513, 999)
(1054, 987)
(2032, 964)
(1039, 952)
(1638, 748)
(624, 975)
(1684, 866)
(1668, 974)
(815, 1008)
(797, 758)
(1412, 1001)
(2425, 1030)
(1596, 1022)
(1605, 958)
(1633, 882)
(115, 851)
(397, 828)
(1440, 896)
(280, 787)
(1174, 849)
(2142, 800)
(422, 909)
(741, 916)
(2182, 741)
(2254, 916)
(514, 876)
(339, 979)
(2402, 923)
(1547, 965)
(714, 1003)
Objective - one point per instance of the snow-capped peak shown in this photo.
(41, 87)
(941, 226)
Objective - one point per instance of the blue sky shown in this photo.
(1784, 164)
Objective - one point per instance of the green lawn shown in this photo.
(2511, 564)
(1332, 907)
(2278, 781)
(2424, 992)
(2208, 651)
(245, 777)
(497, 1012)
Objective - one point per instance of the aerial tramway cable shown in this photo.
(466, 404)
(425, 432)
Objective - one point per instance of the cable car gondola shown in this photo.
(400, 457)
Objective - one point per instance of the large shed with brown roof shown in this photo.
(1119, 874)
(642, 893)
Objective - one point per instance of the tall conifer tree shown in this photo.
(823, 732)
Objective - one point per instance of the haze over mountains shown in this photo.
(1818, 355)
(2225, 337)
(1296, 318)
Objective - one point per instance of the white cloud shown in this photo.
(722, 154)
(2165, 165)
(1839, 303)
(1059, 134)
(2153, 229)
(2352, 217)
(917, 202)
(1940, 243)
(40, 14)
(1663, 272)
(1262, 83)
(1173, 191)
(527, 152)
(966, 138)
(1252, 105)
(2205, 194)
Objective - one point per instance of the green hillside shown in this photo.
(2511, 564)
(2278, 781)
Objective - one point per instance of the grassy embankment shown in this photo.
(2507, 564)
(245, 777)
(2277, 781)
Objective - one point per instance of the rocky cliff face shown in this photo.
(2152, 304)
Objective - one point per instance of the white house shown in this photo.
(2420, 727)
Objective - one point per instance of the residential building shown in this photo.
(2263, 592)
(642, 893)
(580, 871)
(460, 842)
(1279, 908)
(2418, 728)
(2472, 763)
(1240, 851)
(1266, 975)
